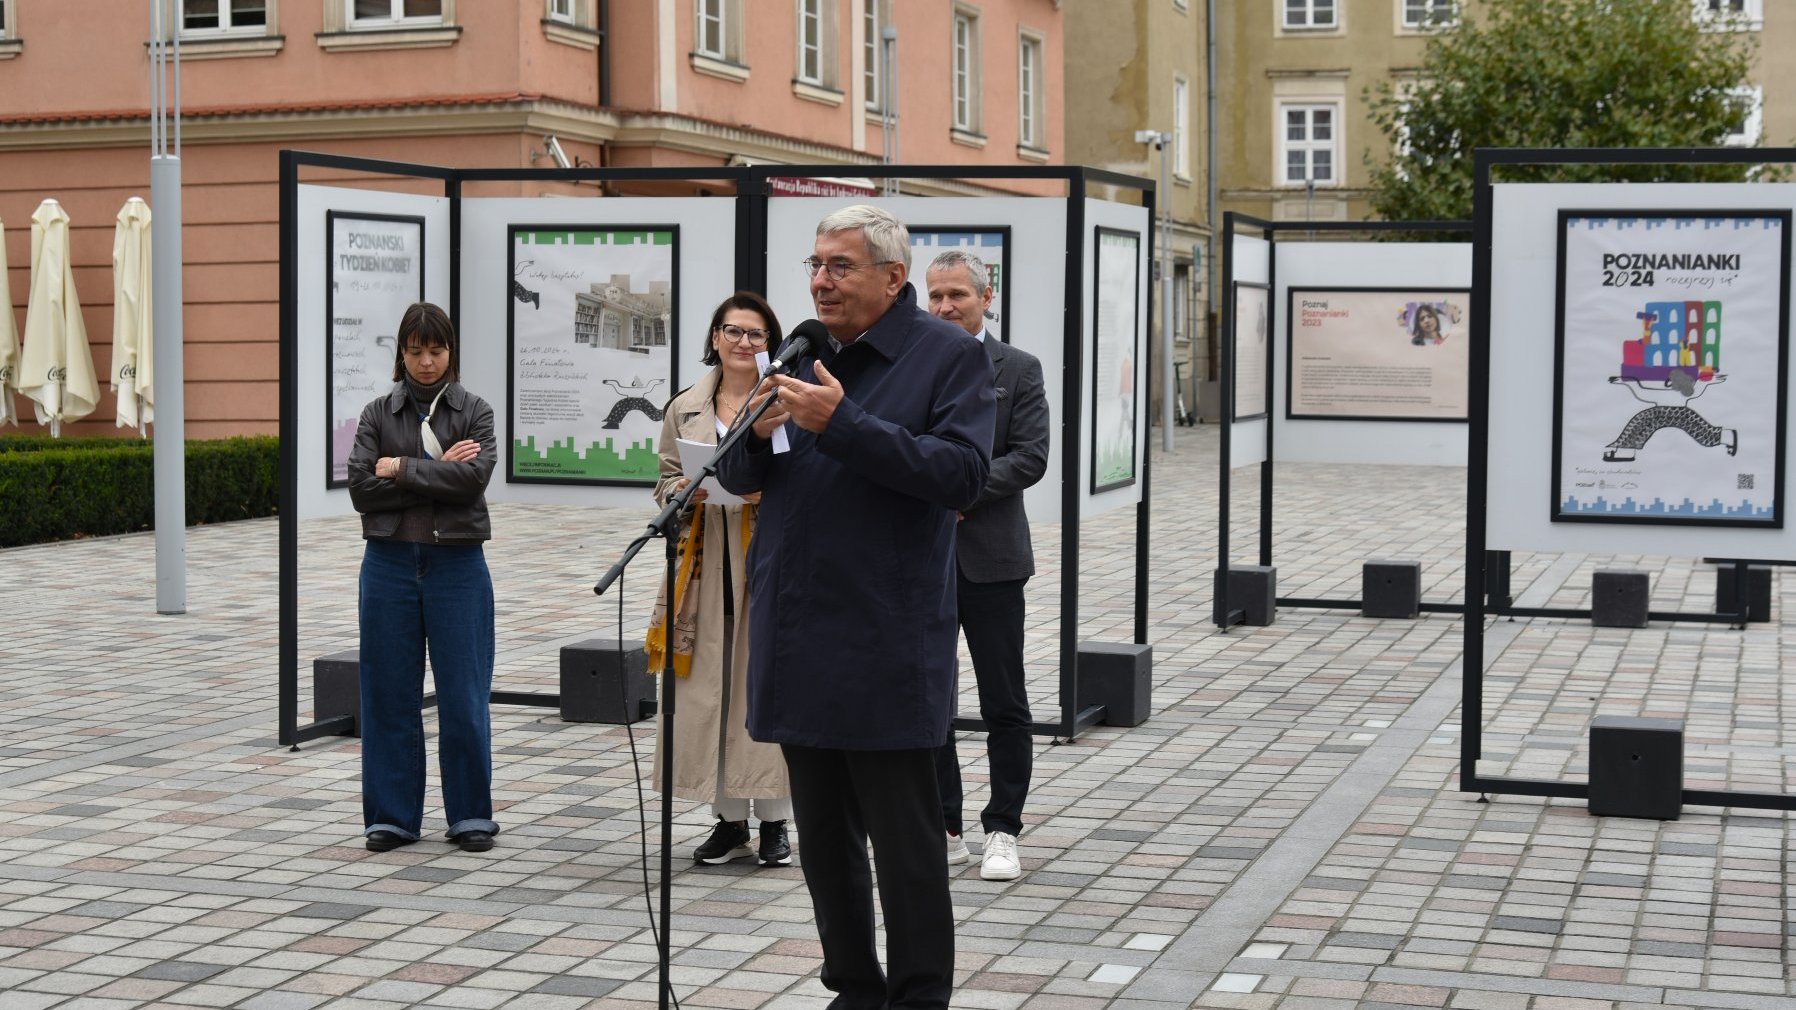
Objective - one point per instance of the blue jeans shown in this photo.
(415, 596)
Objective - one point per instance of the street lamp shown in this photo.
(1162, 142)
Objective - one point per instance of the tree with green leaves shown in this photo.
(1559, 73)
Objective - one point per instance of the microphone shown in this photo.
(806, 338)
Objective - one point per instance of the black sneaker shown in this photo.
(775, 850)
(729, 840)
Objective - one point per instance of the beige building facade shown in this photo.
(1140, 65)
(474, 83)
(1294, 74)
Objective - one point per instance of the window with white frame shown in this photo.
(713, 34)
(966, 69)
(1309, 142)
(1310, 14)
(1746, 106)
(1030, 125)
(811, 48)
(1732, 13)
(394, 13)
(1423, 14)
(1181, 137)
(875, 15)
(224, 17)
(5, 25)
(561, 10)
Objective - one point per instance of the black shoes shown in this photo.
(728, 841)
(387, 841)
(775, 850)
(474, 841)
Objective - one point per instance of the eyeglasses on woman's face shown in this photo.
(838, 269)
(738, 335)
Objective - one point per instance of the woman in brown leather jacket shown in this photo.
(418, 473)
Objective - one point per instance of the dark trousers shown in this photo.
(991, 616)
(841, 798)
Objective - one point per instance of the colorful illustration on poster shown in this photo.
(986, 243)
(1378, 354)
(1251, 352)
(376, 271)
(592, 336)
(1116, 316)
(1671, 366)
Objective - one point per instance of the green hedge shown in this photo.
(57, 489)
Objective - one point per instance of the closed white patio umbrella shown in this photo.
(9, 343)
(56, 368)
(133, 349)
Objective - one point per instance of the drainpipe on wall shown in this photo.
(1210, 159)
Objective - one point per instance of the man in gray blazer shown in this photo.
(995, 560)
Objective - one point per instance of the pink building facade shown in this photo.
(473, 83)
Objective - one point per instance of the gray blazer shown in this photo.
(992, 542)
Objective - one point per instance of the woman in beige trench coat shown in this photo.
(714, 759)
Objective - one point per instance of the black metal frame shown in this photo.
(751, 204)
(1471, 746)
(1291, 356)
(330, 329)
(1565, 217)
(1003, 265)
(511, 349)
(1223, 615)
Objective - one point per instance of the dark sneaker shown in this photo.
(775, 850)
(729, 840)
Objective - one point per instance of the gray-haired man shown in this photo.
(994, 560)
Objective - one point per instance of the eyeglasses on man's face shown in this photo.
(838, 269)
(737, 335)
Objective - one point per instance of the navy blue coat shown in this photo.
(852, 629)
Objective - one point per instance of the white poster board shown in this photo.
(1520, 494)
(1424, 268)
(1248, 431)
(1034, 258)
(705, 271)
(331, 388)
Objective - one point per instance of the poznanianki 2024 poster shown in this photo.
(1670, 366)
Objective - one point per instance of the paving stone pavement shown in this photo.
(1285, 831)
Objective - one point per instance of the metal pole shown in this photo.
(1165, 200)
(170, 452)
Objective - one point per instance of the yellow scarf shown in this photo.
(686, 595)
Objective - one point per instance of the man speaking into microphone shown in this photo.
(852, 618)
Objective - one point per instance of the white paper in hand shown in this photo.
(779, 434)
(693, 458)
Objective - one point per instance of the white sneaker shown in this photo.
(1001, 861)
(957, 850)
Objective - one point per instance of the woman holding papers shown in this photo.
(713, 757)
(423, 455)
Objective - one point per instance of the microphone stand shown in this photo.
(666, 525)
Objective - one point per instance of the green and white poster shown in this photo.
(593, 337)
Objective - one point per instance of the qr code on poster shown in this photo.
(1743, 482)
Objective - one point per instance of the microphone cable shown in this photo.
(642, 838)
